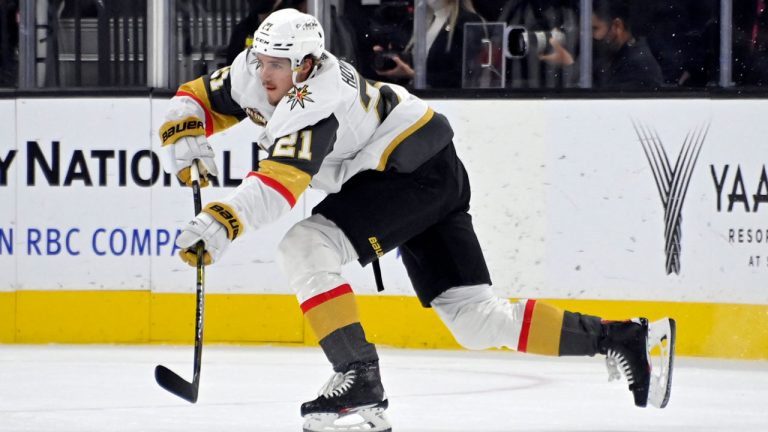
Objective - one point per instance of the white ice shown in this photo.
(112, 388)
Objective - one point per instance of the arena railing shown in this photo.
(66, 45)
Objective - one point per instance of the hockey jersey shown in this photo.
(324, 131)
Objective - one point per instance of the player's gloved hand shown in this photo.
(185, 142)
(217, 226)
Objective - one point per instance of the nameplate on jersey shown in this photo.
(350, 76)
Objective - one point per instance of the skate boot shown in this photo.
(644, 354)
(350, 401)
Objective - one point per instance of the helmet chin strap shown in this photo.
(295, 75)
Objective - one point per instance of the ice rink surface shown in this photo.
(112, 388)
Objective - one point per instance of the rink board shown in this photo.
(138, 317)
(567, 201)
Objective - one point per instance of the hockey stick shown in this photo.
(168, 379)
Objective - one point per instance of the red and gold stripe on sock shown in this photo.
(541, 330)
(331, 310)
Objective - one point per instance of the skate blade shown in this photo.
(370, 419)
(661, 352)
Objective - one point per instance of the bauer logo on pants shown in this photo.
(376, 246)
(672, 182)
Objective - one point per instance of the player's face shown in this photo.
(276, 76)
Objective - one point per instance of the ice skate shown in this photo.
(645, 355)
(350, 401)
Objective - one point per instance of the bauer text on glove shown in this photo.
(184, 141)
(216, 226)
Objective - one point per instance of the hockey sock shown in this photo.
(548, 330)
(334, 317)
(580, 335)
(541, 329)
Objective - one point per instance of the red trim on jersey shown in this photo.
(276, 185)
(522, 343)
(208, 116)
(324, 297)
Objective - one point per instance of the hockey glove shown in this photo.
(184, 141)
(216, 226)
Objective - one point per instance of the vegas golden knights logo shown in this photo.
(299, 96)
(672, 182)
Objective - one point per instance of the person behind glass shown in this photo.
(445, 42)
(684, 36)
(9, 43)
(242, 35)
(620, 59)
(750, 42)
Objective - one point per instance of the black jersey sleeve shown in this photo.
(295, 158)
(213, 94)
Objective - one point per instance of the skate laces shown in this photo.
(338, 384)
(615, 360)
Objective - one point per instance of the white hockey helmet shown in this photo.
(290, 34)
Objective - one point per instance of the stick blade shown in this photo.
(175, 384)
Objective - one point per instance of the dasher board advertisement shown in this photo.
(592, 199)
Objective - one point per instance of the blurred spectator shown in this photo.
(445, 45)
(490, 10)
(540, 16)
(750, 42)
(242, 34)
(9, 42)
(684, 38)
(387, 23)
(343, 38)
(621, 60)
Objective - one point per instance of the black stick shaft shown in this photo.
(200, 282)
(165, 377)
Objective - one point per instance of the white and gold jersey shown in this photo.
(324, 131)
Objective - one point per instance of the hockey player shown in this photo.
(393, 179)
